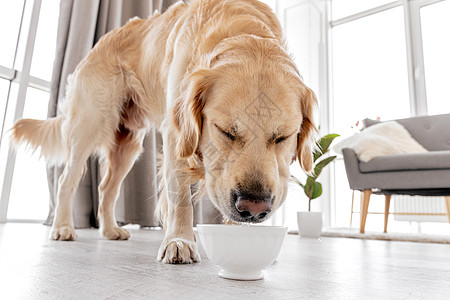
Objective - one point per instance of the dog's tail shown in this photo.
(43, 135)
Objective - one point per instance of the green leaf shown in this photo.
(317, 190)
(313, 189)
(297, 181)
(322, 164)
(317, 153)
(309, 187)
(323, 145)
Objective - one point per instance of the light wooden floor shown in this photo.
(33, 267)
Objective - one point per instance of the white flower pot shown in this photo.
(309, 224)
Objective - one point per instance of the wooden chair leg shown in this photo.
(447, 201)
(351, 213)
(387, 204)
(364, 209)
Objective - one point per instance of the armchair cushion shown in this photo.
(387, 138)
(427, 172)
(413, 161)
(393, 179)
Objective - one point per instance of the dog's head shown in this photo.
(246, 118)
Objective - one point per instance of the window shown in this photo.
(345, 8)
(28, 33)
(10, 22)
(435, 26)
(370, 74)
(389, 60)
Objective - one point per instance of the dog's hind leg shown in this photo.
(115, 166)
(63, 225)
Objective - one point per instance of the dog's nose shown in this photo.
(253, 209)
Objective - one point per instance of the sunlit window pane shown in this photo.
(36, 104)
(23, 36)
(8, 123)
(370, 76)
(4, 87)
(29, 189)
(303, 33)
(44, 48)
(345, 8)
(436, 50)
(10, 15)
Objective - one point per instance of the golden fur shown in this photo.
(215, 78)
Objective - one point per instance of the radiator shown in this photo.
(419, 205)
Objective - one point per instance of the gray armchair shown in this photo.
(406, 174)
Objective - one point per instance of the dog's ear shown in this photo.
(187, 112)
(308, 130)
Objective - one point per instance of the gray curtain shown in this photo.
(81, 24)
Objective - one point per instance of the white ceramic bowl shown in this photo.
(241, 251)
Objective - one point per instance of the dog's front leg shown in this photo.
(179, 245)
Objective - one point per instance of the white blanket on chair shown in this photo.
(385, 138)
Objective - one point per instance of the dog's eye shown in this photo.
(280, 139)
(227, 134)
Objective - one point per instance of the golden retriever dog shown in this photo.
(215, 77)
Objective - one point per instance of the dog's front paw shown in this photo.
(178, 251)
(63, 233)
(115, 233)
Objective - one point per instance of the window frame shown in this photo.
(24, 80)
(417, 73)
(414, 47)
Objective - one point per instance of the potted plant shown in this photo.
(310, 223)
